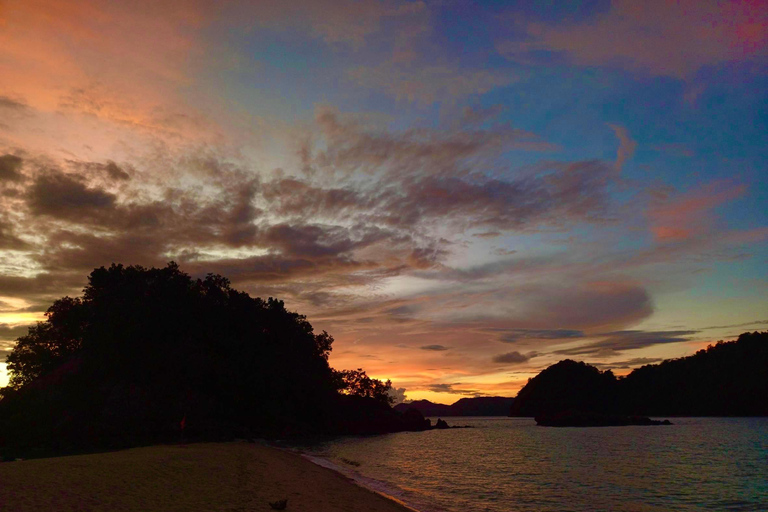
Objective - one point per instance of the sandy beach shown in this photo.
(205, 477)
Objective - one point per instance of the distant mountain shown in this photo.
(479, 406)
(727, 379)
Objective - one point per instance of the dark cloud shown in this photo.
(515, 335)
(733, 326)
(620, 341)
(10, 333)
(110, 169)
(11, 104)
(67, 196)
(318, 241)
(294, 197)
(488, 234)
(8, 239)
(352, 146)
(511, 358)
(449, 388)
(594, 304)
(9, 168)
(398, 394)
(436, 348)
(44, 285)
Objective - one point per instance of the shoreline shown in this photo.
(205, 477)
(364, 482)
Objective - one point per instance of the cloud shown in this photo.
(442, 174)
(398, 394)
(350, 143)
(10, 332)
(426, 85)
(109, 169)
(9, 168)
(334, 21)
(587, 305)
(449, 388)
(11, 104)
(658, 37)
(66, 196)
(511, 358)
(620, 341)
(629, 363)
(436, 348)
(515, 335)
(8, 239)
(688, 216)
(732, 326)
(627, 146)
(488, 234)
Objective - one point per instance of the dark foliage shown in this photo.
(567, 385)
(358, 383)
(727, 379)
(145, 348)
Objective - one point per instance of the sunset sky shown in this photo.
(461, 192)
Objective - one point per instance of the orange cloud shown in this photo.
(51, 50)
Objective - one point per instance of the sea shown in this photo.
(511, 464)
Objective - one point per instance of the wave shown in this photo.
(386, 489)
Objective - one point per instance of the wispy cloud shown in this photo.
(658, 37)
(437, 348)
(620, 341)
(689, 215)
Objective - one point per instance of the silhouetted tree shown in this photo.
(357, 382)
(47, 344)
(144, 348)
(727, 379)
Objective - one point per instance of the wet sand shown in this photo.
(197, 477)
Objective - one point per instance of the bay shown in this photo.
(510, 464)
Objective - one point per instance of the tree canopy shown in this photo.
(726, 379)
(144, 348)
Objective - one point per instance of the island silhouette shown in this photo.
(149, 355)
(725, 379)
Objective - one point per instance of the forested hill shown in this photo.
(149, 355)
(726, 379)
(476, 406)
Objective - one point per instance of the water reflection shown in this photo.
(510, 464)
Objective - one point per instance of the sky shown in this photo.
(461, 192)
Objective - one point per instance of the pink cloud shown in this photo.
(110, 59)
(627, 145)
(661, 37)
(689, 215)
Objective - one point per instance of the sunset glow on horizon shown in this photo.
(461, 193)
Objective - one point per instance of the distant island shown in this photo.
(725, 379)
(475, 406)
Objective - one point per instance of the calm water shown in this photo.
(510, 464)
